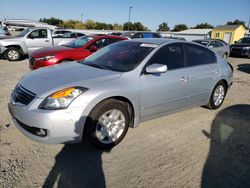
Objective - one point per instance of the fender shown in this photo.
(13, 42)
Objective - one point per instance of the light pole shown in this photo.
(129, 13)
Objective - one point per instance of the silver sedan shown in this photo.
(218, 46)
(116, 88)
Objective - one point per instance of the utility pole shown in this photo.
(249, 23)
(81, 17)
(129, 13)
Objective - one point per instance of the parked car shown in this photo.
(177, 38)
(146, 35)
(77, 49)
(116, 88)
(241, 48)
(4, 32)
(216, 45)
(73, 35)
(128, 34)
(60, 33)
(13, 49)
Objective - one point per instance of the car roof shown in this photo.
(107, 36)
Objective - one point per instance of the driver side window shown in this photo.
(171, 55)
(39, 33)
(100, 43)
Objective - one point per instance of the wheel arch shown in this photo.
(15, 46)
(124, 99)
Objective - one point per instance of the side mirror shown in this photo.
(235, 42)
(93, 48)
(30, 37)
(156, 68)
(210, 46)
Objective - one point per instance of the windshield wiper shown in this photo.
(94, 65)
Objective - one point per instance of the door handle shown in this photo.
(47, 40)
(215, 71)
(184, 78)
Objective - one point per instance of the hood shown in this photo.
(45, 81)
(7, 37)
(10, 38)
(240, 45)
(50, 51)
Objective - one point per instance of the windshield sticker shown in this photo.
(148, 45)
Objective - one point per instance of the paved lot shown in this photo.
(193, 148)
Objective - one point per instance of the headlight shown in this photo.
(246, 48)
(44, 58)
(62, 99)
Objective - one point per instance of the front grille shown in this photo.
(31, 60)
(236, 49)
(22, 95)
(33, 130)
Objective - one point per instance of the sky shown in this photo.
(150, 13)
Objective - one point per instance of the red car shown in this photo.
(77, 49)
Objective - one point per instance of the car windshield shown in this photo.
(122, 56)
(244, 40)
(23, 33)
(79, 42)
(203, 42)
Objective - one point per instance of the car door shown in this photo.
(160, 93)
(204, 72)
(38, 39)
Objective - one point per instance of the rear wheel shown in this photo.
(107, 124)
(12, 54)
(218, 95)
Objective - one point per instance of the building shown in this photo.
(228, 33)
(247, 34)
(190, 34)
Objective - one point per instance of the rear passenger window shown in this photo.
(171, 55)
(113, 40)
(197, 55)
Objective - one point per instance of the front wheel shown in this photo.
(107, 124)
(218, 95)
(12, 54)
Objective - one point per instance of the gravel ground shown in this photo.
(194, 148)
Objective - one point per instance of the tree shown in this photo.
(137, 26)
(203, 26)
(180, 27)
(128, 26)
(69, 24)
(117, 27)
(236, 22)
(90, 24)
(163, 27)
(51, 21)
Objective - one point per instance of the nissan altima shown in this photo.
(118, 87)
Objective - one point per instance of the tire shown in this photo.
(12, 54)
(217, 96)
(224, 56)
(107, 124)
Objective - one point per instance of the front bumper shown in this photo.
(240, 52)
(49, 126)
(2, 50)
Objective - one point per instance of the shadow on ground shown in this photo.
(228, 162)
(77, 165)
(244, 68)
